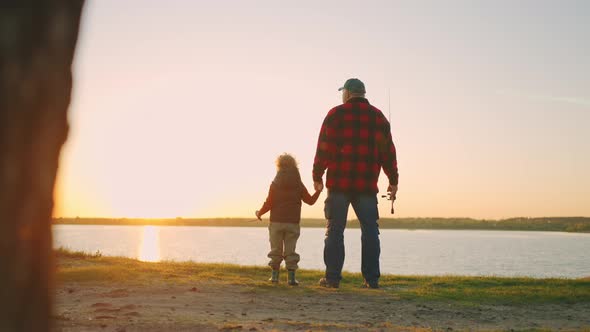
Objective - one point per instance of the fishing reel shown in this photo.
(391, 198)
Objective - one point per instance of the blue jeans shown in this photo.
(336, 211)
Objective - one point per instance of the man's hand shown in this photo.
(393, 190)
(318, 186)
(258, 216)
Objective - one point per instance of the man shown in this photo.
(353, 145)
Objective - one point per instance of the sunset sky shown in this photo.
(181, 107)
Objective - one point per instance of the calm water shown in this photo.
(421, 252)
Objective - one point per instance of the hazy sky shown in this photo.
(181, 107)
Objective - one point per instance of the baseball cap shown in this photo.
(353, 85)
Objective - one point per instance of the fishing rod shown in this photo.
(389, 195)
(389, 105)
(391, 198)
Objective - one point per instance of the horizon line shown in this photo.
(308, 218)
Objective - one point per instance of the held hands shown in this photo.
(318, 186)
(258, 216)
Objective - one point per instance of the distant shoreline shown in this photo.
(546, 224)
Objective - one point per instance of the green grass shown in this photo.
(88, 268)
(494, 289)
(553, 224)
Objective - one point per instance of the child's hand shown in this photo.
(318, 186)
(257, 213)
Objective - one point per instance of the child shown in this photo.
(284, 203)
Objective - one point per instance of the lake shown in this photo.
(403, 252)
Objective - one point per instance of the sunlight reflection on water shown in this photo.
(149, 249)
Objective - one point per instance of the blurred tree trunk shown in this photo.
(37, 42)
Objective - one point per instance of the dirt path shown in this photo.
(212, 307)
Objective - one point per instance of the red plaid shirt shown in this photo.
(354, 144)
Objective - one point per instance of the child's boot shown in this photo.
(274, 277)
(292, 280)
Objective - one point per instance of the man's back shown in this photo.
(354, 143)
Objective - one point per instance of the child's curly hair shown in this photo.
(286, 161)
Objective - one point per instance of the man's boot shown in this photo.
(274, 277)
(292, 280)
(325, 282)
(371, 284)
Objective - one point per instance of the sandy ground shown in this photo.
(210, 306)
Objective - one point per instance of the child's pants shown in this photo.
(283, 240)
